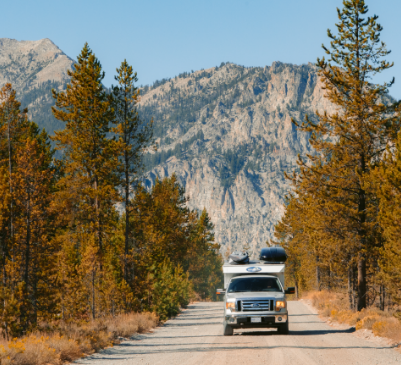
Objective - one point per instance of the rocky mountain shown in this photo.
(34, 68)
(226, 132)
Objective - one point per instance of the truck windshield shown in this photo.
(248, 284)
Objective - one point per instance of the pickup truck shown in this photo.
(254, 296)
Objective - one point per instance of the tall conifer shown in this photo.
(350, 142)
(388, 177)
(90, 160)
(134, 136)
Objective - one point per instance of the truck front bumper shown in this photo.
(267, 320)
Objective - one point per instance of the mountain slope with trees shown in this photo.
(226, 133)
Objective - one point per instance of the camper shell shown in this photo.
(252, 268)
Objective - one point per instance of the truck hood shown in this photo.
(255, 294)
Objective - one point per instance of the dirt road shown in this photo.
(195, 337)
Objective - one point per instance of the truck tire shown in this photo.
(227, 329)
(283, 329)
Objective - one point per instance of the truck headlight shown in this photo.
(280, 304)
(230, 305)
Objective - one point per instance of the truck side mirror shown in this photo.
(290, 290)
(220, 291)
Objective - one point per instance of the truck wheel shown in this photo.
(228, 330)
(283, 329)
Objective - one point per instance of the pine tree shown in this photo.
(171, 289)
(388, 178)
(14, 127)
(34, 228)
(164, 228)
(203, 261)
(88, 188)
(351, 141)
(26, 226)
(135, 136)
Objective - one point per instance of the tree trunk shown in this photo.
(27, 243)
(317, 274)
(350, 297)
(11, 190)
(361, 283)
(354, 287)
(362, 240)
(93, 296)
(97, 209)
(127, 216)
(329, 279)
(25, 316)
(382, 297)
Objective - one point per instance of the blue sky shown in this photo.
(164, 38)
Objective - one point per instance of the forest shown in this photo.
(341, 227)
(80, 237)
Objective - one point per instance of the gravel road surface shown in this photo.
(195, 337)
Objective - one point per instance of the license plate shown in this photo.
(256, 319)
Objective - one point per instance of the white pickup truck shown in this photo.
(254, 293)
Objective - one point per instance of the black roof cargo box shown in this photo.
(273, 255)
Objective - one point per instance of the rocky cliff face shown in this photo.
(34, 68)
(226, 133)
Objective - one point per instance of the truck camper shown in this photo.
(254, 291)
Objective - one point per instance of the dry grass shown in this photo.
(335, 306)
(70, 342)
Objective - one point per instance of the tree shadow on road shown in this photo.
(306, 314)
(299, 333)
(128, 349)
(195, 324)
(184, 318)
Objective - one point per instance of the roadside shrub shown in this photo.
(31, 350)
(335, 306)
(389, 327)
(69, 342)
(67, 348)
(367, 322)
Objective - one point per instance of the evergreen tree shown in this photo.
(34, 229)
(351, 141)
(164, 228)
(203, 261)
(14, 127)
(88, 188)
(171, 289)
(135, 137)
(27, 222)
(388, 177)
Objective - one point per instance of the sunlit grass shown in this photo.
(72, 341)
(335, 306)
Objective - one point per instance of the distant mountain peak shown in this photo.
(30, 63)
(34, 68)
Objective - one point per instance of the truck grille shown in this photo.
(255, 305)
